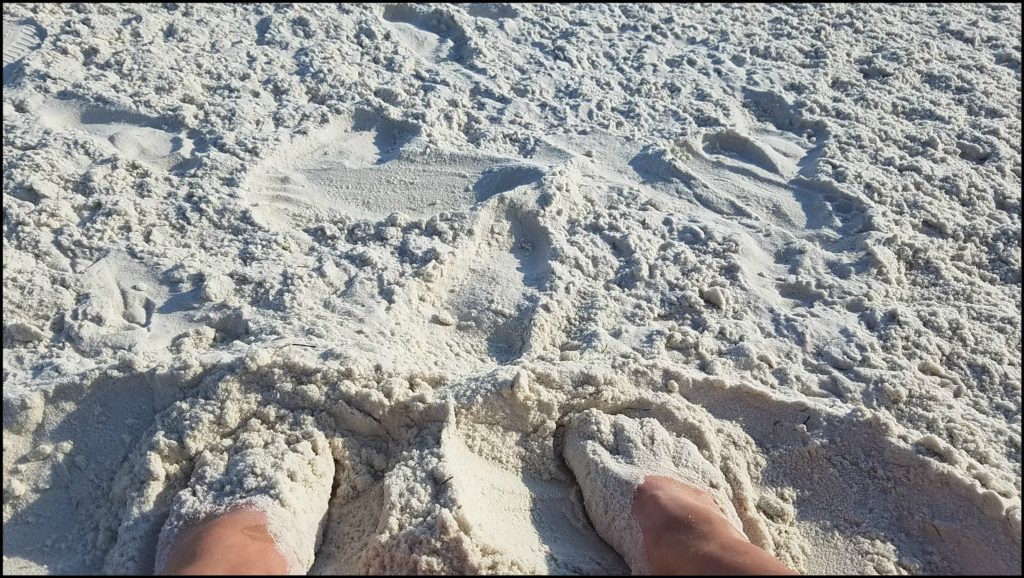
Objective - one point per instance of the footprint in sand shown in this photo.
(20, 38)
(430, 33)
(157, 142)
(761, 175)
(128, 306)
(369, 166)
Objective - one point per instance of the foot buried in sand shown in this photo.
(270, 485)
(656, 500)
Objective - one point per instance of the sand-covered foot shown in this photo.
(282, 469)
(611, 455)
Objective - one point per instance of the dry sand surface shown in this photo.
(375, 261)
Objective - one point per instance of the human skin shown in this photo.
(236, 542)
(685, 533)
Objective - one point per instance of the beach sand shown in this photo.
(419, 239)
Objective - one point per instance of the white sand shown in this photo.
(611, 455)
(425, 236)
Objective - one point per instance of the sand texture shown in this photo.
(370, 264)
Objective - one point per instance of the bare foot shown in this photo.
(255, 506)
(236, 542)
(656, 500)
(685, 532)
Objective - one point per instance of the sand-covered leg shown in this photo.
(283, 469)
(612, 454)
